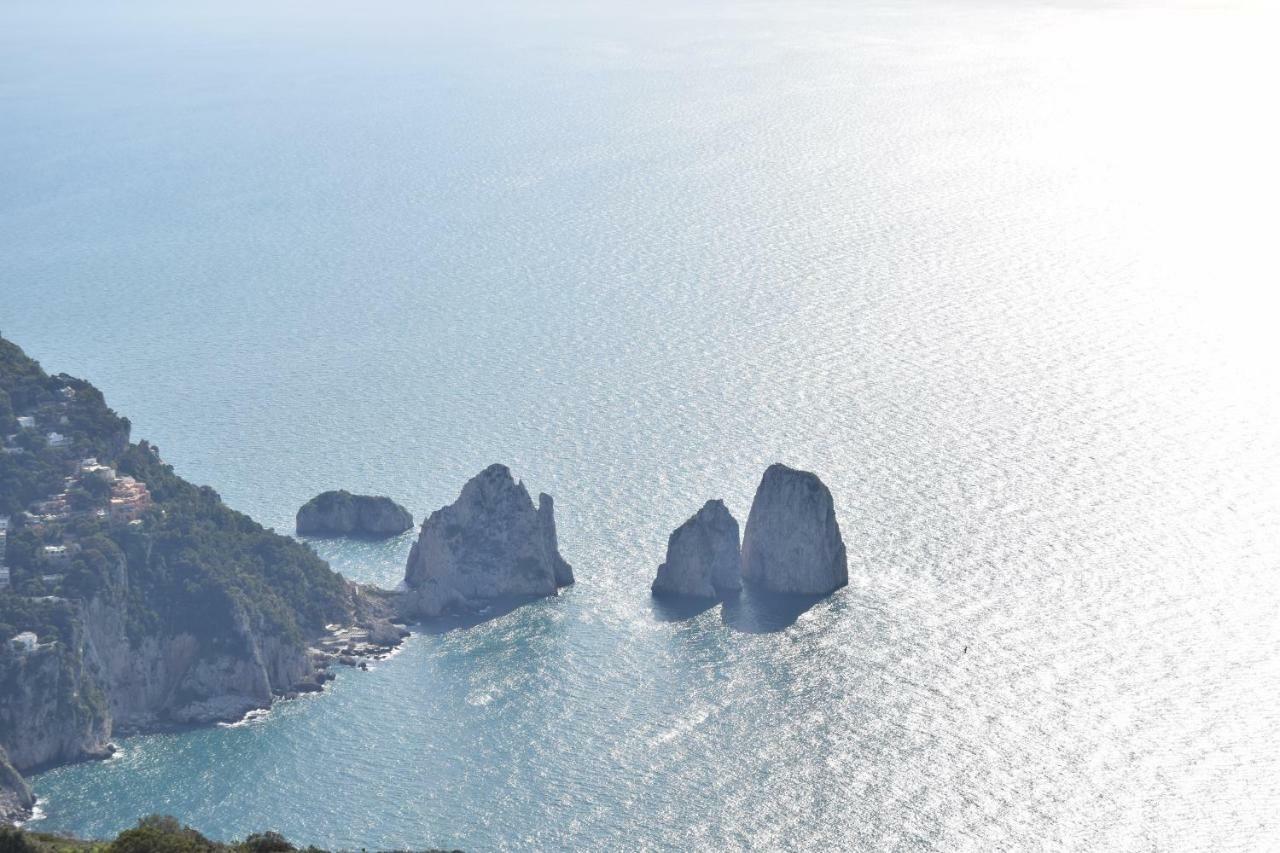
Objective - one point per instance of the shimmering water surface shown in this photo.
(1002, 273)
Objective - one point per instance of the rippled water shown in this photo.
(1001, 273)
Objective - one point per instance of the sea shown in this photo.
(1002, 273)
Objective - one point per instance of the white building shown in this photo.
(91, 467)
(27, 422)
(25, 642)
(4, 577)
(57, 439)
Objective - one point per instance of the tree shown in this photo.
(161, 834)
(8, 422)
(267, 842)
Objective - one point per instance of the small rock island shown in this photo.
(491, 544)
(792, 543)
(340, 513)
(703, 558)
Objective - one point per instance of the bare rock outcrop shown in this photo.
(547, 518)
(16, 799)
(792, 542)
(490, 544)
(52, 709)
(161, 678)
(703, 558)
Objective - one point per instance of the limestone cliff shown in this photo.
(63, 700)
(792, 542)
(52, 708)
(340, 513)
(16, 798)
(180, 677)
(492, 543)
(179, 611)
(703, 559)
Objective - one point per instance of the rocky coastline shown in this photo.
(128, 646)
(352, 646)
(16, 799)
(168, 685)
(133, 601)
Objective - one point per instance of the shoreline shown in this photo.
(351, 645)
(37, 814)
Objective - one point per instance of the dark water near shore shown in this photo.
(1001, 273)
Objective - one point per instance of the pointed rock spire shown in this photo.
(491, 543)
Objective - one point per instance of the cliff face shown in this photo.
(167, 678)
(341, 513)
(64, 700)
(491, 543)
(16, 798)
(703, 559)
(52, 708)
(181, 611)
(792, 543)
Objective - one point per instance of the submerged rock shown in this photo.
(703, 560)
(383, 633)
(792, 543)
(340, 513)
(489, 544)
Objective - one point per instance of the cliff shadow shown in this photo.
(758, 611)
(678, 608)
(495, 609)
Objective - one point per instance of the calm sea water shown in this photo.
(1002, 273)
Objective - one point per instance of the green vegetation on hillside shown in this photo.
(155, 834)
(203, 551)
(91, 427)
(194, 565)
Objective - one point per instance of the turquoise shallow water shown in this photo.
(999, 272)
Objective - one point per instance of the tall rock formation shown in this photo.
(547, 518)
(703, 560)
(492, 543)
(792, 543)
(341, 513)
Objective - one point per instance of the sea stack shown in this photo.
(792, 543)
(703, 559)
(340, 513)
(490, 544)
